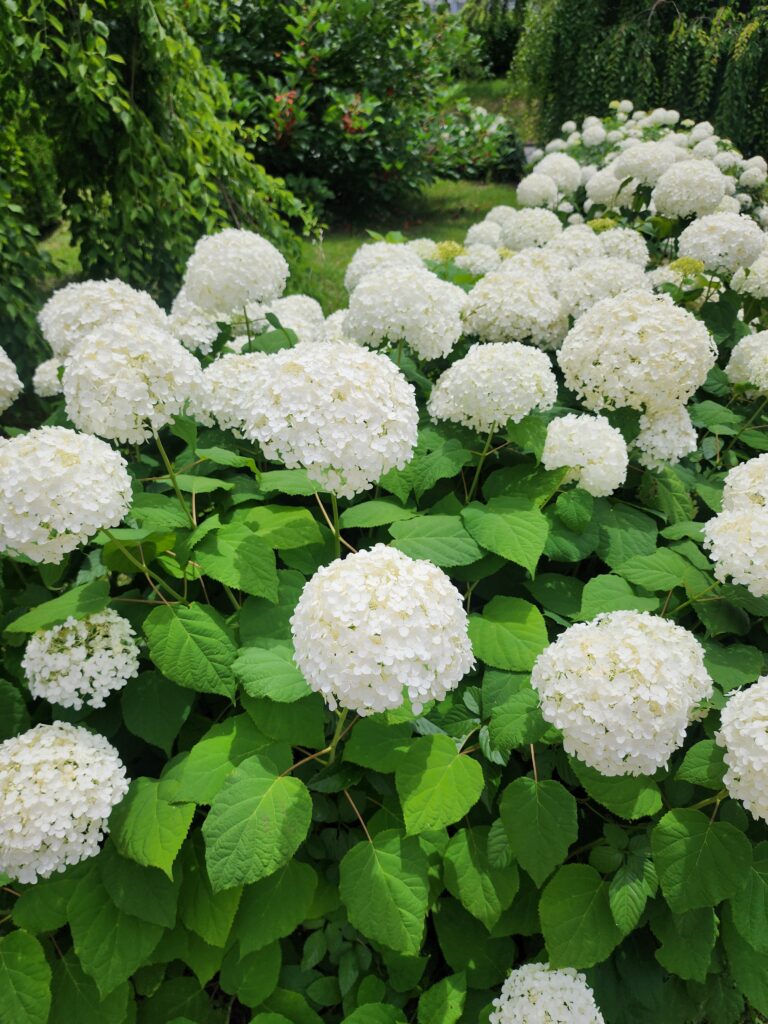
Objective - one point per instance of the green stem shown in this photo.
(399, 351)
(145, 569)
(696, 597)
(483, 456)
(748, 424)
(172, 476)
(716, 799)
(336, 530)
(337, 734)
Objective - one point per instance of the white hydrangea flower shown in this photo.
(345, 414)
(537, 994)
(567, 127)
(665, 437)
(746, 485)
(537, 190)
(58, 785)
(752, 177)
(298, 313)
(728, 158)
(593, 135)
(121, 383)
(576, 244)
(562, 169)
(744, 734)
(492, 384)
(753, 280)
(638, 350)
(723, 241)
(77, 310)
(479, 259)
(729, 204)
(232, 268)
(81, 661)
(46, 382)
(622, 689)
(705, 150)
(425, 248)
(402, 304)
(555, 146)
(624, 244)
(487, 232)
(10, 384)
(737, 542)
(547, 263)
(57, 489)
(531, 227)
(195, 329)
(646, 162)
(692, 188)
(593, 450)
(625, 106)
(333, 328)
(500, 215)
(606, 189)
(513, 305)
(749, 362)
(376, 623)
(375, 256)
(597, 279)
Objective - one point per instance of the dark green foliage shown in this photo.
(497, 24)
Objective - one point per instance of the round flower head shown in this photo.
(479, 259)
(487, 232)
(122, 384)
(752, 177)
(665, 437)
(402, 304)
(229, 270)
(754, 279)
(564, 171)
(646, 162)
(376, 623)
(737, 542)
(594, 451)
(576, 244)
(77, 310)
(691, 188)
(298, 313)
(622, 689)
(425, 248)
(46, 382)
(513, 306)
(624, 244)
(333, 328)
(58, 785)
(537, 994)
(749, 362)
(537, 190)
(746, 485)
(492, 384)
(525, 228)
(594, 135)
(81, 661)
(546, 264)
(345, 414)
(195, 329)
(723, 241)
(605, 189)
(375, 256)
(10, 385)
(593, 280)
(57, 489)
(638, 350)
(744, 734)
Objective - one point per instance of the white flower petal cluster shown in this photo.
(513, 305)
(402, 304)
(343, 413)
(665, 437)
(638, 350)
(425, 248)
(646, 162)
(57, 489)
(58, 785)
(624, 244)
(622, 689)
(195, 329)
(492, 384)
(723, 241)
(479, 259)
(375, 256)
(737, 537)
(81, 661)
(537, 190)
(691, 188)
(576, 244)
(121, 383)
(298, 313)
(545, 263)
(46, 382)
(487, 232)
(533, 227)
(749, 362)
(754, 279)
(10, 384)
(537, 994)
(564, 171)
(77, 310)
(376, 623)
(231, 269)
(605, 189)
(333, 328)
(752, 177)
(593, 450)
(597, 279)
(744, 734)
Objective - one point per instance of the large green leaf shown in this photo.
(502, 526)
(687, 941)
(440, 539)
(748, 967)
(749, 907)
(609, 593)
(148, 828)
(629, 796)
(273, 907)
(201, 773)
(252, 978)
(76, 999)
(256, 823)
(207, 913)
(383, 885)
(510, 634)
(629, 890)
(703, 765)
(76, 603)
(437, 785)
(380, 512)
(25, 980)
(576, 918)
(517, 721)
(143, 892)
(483, 890)
(624, 533)
(192, 646)
(14, 717)
(377, 744)
(238, 557)
(282, 526)
(154, 709)
(540, 821)
(661, 570)
(271, 673)
(443, 1003)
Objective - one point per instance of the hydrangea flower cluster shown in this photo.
(692, 188)
(344, 414)
(737, 537)
(373, 257)
(564, 171)
(522, 229)
(646, 162)
(723, 241)
(10, 384)
(749, 362)
(46, 382)
(753, 280)
(376, 624)
(665, 437)
(596, 279)
(195, 329)
(537, 190)
(744, 734)
(492, 384)
(537, 994)
(58, 785)
(622, 689)
(57, 489)
(593, 450)
(624, 244)
(81, 661)
(514, 306)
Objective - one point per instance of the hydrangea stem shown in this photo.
(337, 734)
(172, 476)
(483, 456)
(159, 582)
(336, 530)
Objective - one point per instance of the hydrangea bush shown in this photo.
(404, 665)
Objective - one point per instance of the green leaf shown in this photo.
(624, 533)
(224, 457)
(207, 913)
(611, 593)
(436, 784)
(629, 796)
(444, 463)
(193, 647)
(564, 545)
(576, 918)
(302, 722)
(143, 892)
(375, 1013)
(25, 980)
(661, 570)
(467, 947)
(158, 512)
(517, 722)
(76, 997)
(575, 509)
(699, 862)
(525, 482)
(687, 941)
(501, 526)
(147, 828)
(202, 772)
(665, 491)
(154, 709)
(256, 823)
(443, 1003)
(703, 765)
(483, 890)
(252, 978)
(441, 539)
(556, 593)
(748, 967)
(196, 484)
(282, 527)
(718, 419)
(383, 885)
(376, 744)
(510, 634)
(629, 890)
(271, 673)
(540, 821)
(287, 481)
(14, 717)
(379, 512)
(749, 907)
(236, 556)
(732, 665)
(77, 603)
(275, 906)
